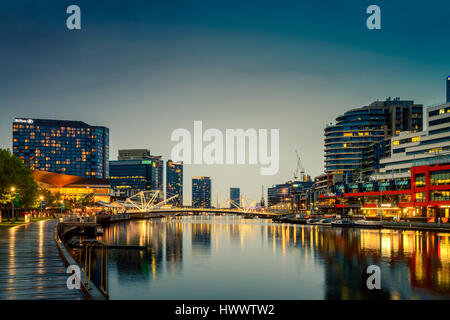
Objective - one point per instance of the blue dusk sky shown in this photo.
(145, 68)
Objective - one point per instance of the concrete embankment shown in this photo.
(417, 226)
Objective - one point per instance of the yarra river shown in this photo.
(229, 257)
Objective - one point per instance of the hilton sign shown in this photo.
(29, 121)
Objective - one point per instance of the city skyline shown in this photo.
(159, 67)
(224, 152)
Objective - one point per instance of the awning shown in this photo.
(108, 205)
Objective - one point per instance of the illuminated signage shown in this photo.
(29, 121)
(146, 162)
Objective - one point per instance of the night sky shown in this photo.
(145, 68)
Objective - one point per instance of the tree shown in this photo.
(88, 200)
(51, 199)
(13, 173)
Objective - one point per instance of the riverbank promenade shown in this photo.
(30, 266)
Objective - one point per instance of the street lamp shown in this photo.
(13, 190)
(42, 199)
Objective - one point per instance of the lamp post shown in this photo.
(42, 199)
(380, 208)
(13, 190)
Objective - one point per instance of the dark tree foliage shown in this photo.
(13, 173)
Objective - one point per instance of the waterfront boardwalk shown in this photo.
(30, 265)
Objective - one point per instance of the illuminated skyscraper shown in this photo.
(69, 147)
(158, 164)
(201, 192)
(129, 177)
(357, 141)
(136, 170)
(174, 181)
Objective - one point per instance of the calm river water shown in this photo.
(228, 257)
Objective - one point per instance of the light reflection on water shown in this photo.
(227, 257)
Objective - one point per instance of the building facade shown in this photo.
(74, 188)
(358, 139)
(423, 196)
(174, 181)
(289, 195)
(408, 149)
(201, 192)
(59, 146)
(158, 163)
(129, 177)
(235, 198)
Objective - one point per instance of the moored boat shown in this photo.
(325, 222)
(313, 221)
(367, 224)
(343, 223)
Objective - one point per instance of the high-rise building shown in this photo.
(136, 170)
(201, 192)
(59, 146)
(134, 154)
(415, 149)
(360, 137)
(158, 163)
(174, 181)
(235, 197)
(448, 89)
(129, 177)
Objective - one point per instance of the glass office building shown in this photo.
(59, 146)
(158, 163)
(174, 181)
(360, 137)
(235, 197)
(201, 192)
(129, 177)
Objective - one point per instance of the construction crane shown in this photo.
(299, 168)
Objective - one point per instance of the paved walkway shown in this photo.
(30, 266)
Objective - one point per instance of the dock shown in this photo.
(30, 265)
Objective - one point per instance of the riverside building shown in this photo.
(413, 182)
(174, 181)
(201, 192)
(135, 171)
(410, 149)
(235, 198)
(359, 138)
(60, 146)
(288, 195)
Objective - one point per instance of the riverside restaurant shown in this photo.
(425, 196)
